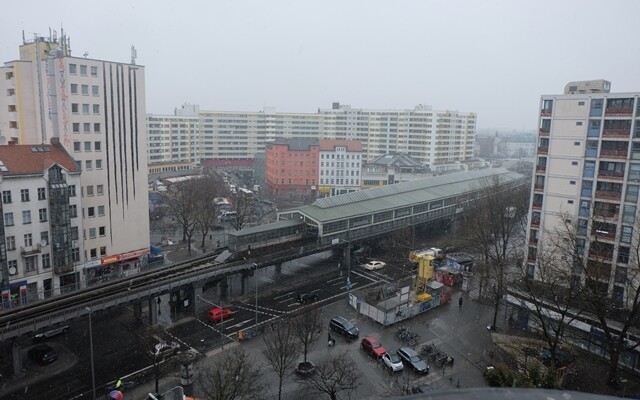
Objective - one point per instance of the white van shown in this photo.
(228, 216)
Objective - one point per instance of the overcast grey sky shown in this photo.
(494, 58)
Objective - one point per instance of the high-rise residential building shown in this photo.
(587, 173)
(340, 167)
(174, 138)
(438, 139)
(96, 110)
(291, 168)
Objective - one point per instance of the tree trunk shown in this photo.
(495, 309)
(280, 389)
(612, 375)
(305, 352)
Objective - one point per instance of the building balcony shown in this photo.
(602, 255)
(544, 131)
(63, 269)
(535, 222)
(614, 153)
(531, 257)
(604, 235)
(543, 150)
(615, 175)
(618, 111)
(546, 112)
(533, 240)
(26, 251)
(606, 215)
(536, 206)
(541, 168)
(608, 195)
(616, 133)
(538, 188)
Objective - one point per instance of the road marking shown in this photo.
(240, 323)
(284, 295)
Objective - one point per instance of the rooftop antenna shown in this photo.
(86, 54)
(134, 55)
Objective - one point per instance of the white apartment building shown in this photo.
(42, 224)
(588, 171)
(96, 109)
(174, 138)
(435, 138)
(340, 167)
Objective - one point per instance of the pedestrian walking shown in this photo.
(460, 302)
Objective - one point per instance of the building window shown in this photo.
(42, 213)
(11, 243)
(76, 147)
(98, 164)
(13, 124)
(97, 146)
(576, 143)
(26, 217)
(90, 190)
(100, 190)
(572, 182)
(72, 190)
(94, 253)
(92, 233)
(96, 108)
(85, 90)
(574, 163)
(94, 71)
(28, 240)
(87, 146)
(74, 88)
(578, 123)
(85, 108)
(12, 264)
(44, 237)
(101, 211)
(8, 219)
(24, 194)
(95, 90)
(75, 108)
(73, 211)
(86, 127)
(83, 70)
(42, 194)
(103, 250)
(46, 261)
(581, 103)
(6, 196)
(102, 231)
(76, 254)
(91, 212)
(73, 69)
(75, 127)
(30, 264)
(570, 201)
(88, 164)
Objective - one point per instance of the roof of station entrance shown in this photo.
(400, 195)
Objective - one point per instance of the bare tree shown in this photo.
(281, 351)
(243, 205)
(493, 223)
(209, 188)
(307, 328)
(182, 203)
(333, 376)
(235, 377)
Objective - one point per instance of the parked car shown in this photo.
(373, 265)
(344, 327)
(50, 331)
(218, 227)
(392, 361)
(421, 388)
(413, 360)
(219, 313)
(43, 354)
(372, 346)
(307, 297)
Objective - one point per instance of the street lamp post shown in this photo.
(255, 278)
(93, 373)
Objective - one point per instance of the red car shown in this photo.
(218, 314)
(372, 346)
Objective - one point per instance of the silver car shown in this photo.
(50, 331)
(392, 361)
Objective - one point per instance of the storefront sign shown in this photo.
(110, 259)
(133, 254)
(93, 263)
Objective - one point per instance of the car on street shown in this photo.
(219, 313)
(372, 346)
(306, 297)
(374, 265)
(344, 327)
(50, 331)
(43, 354)
(413, 360)
(164, 349)
(392, 361)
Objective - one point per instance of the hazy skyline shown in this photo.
(494, 58)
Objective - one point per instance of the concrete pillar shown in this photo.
(244, 280)
(137, 310)
(16, 356)
(153, 311)
(346, 256)
(223, 287)
(198, 305)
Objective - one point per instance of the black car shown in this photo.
(307, 297)
(344, 327)
(413, 360)
(43, 354)
(218, 228)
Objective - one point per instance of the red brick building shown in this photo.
(291, 168)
